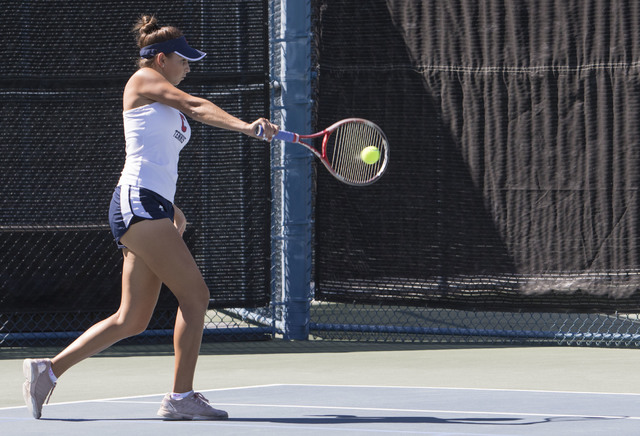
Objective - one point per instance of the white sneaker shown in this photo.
(195, 406)
(38, 387)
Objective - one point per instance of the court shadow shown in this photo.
(323, 419)
(350, 419)
(353, 419)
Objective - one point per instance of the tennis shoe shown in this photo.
(195, 406)
(38, 387)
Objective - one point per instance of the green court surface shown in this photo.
(131, 370)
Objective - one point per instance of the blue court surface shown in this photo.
(347, 410)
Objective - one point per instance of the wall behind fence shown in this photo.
(64, 67)
(513, 182)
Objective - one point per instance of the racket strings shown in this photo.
(346, 146)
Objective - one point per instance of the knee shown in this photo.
(197, 300)
(202, 296)
(131, 325)
(137, 327)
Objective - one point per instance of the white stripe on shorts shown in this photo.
(125, 207)
(136, 203)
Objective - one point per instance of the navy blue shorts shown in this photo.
(131, 204)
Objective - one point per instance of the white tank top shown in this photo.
(155, 134)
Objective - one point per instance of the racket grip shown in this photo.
(283, 135)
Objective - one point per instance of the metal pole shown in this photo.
(291, 106)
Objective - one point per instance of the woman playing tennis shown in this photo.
(148, 226)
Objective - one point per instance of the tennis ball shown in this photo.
(370, 155)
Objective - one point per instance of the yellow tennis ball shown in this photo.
(370, 155)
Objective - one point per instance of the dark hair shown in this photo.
(148, 31)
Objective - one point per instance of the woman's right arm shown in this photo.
(152, 85)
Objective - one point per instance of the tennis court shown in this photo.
(487, 284)
(345, 388)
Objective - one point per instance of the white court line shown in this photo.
(462, 389)
(124, 401)
(115, 399)
(383, 409)
(340, 428)
(458, 412)
(376, 409)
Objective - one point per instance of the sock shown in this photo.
(175, 396)
(52, 376)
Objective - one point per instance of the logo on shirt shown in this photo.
(179, 136)
(184, 123)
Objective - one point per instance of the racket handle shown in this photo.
(283, 135)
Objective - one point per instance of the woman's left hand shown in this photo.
(179, 220)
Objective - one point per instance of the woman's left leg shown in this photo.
(163, 250)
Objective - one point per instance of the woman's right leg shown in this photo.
(140, 290)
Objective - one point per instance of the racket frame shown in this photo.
(322, 153)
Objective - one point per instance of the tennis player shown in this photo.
(148, 226)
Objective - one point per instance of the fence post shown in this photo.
(291, 107)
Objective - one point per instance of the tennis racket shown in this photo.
(342, 149)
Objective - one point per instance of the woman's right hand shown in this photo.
(269, 130)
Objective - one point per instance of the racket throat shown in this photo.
(323, 149)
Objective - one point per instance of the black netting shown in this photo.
(514, 174)
(48, 41)
(64, 67)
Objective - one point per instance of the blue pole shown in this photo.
(292, 108)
